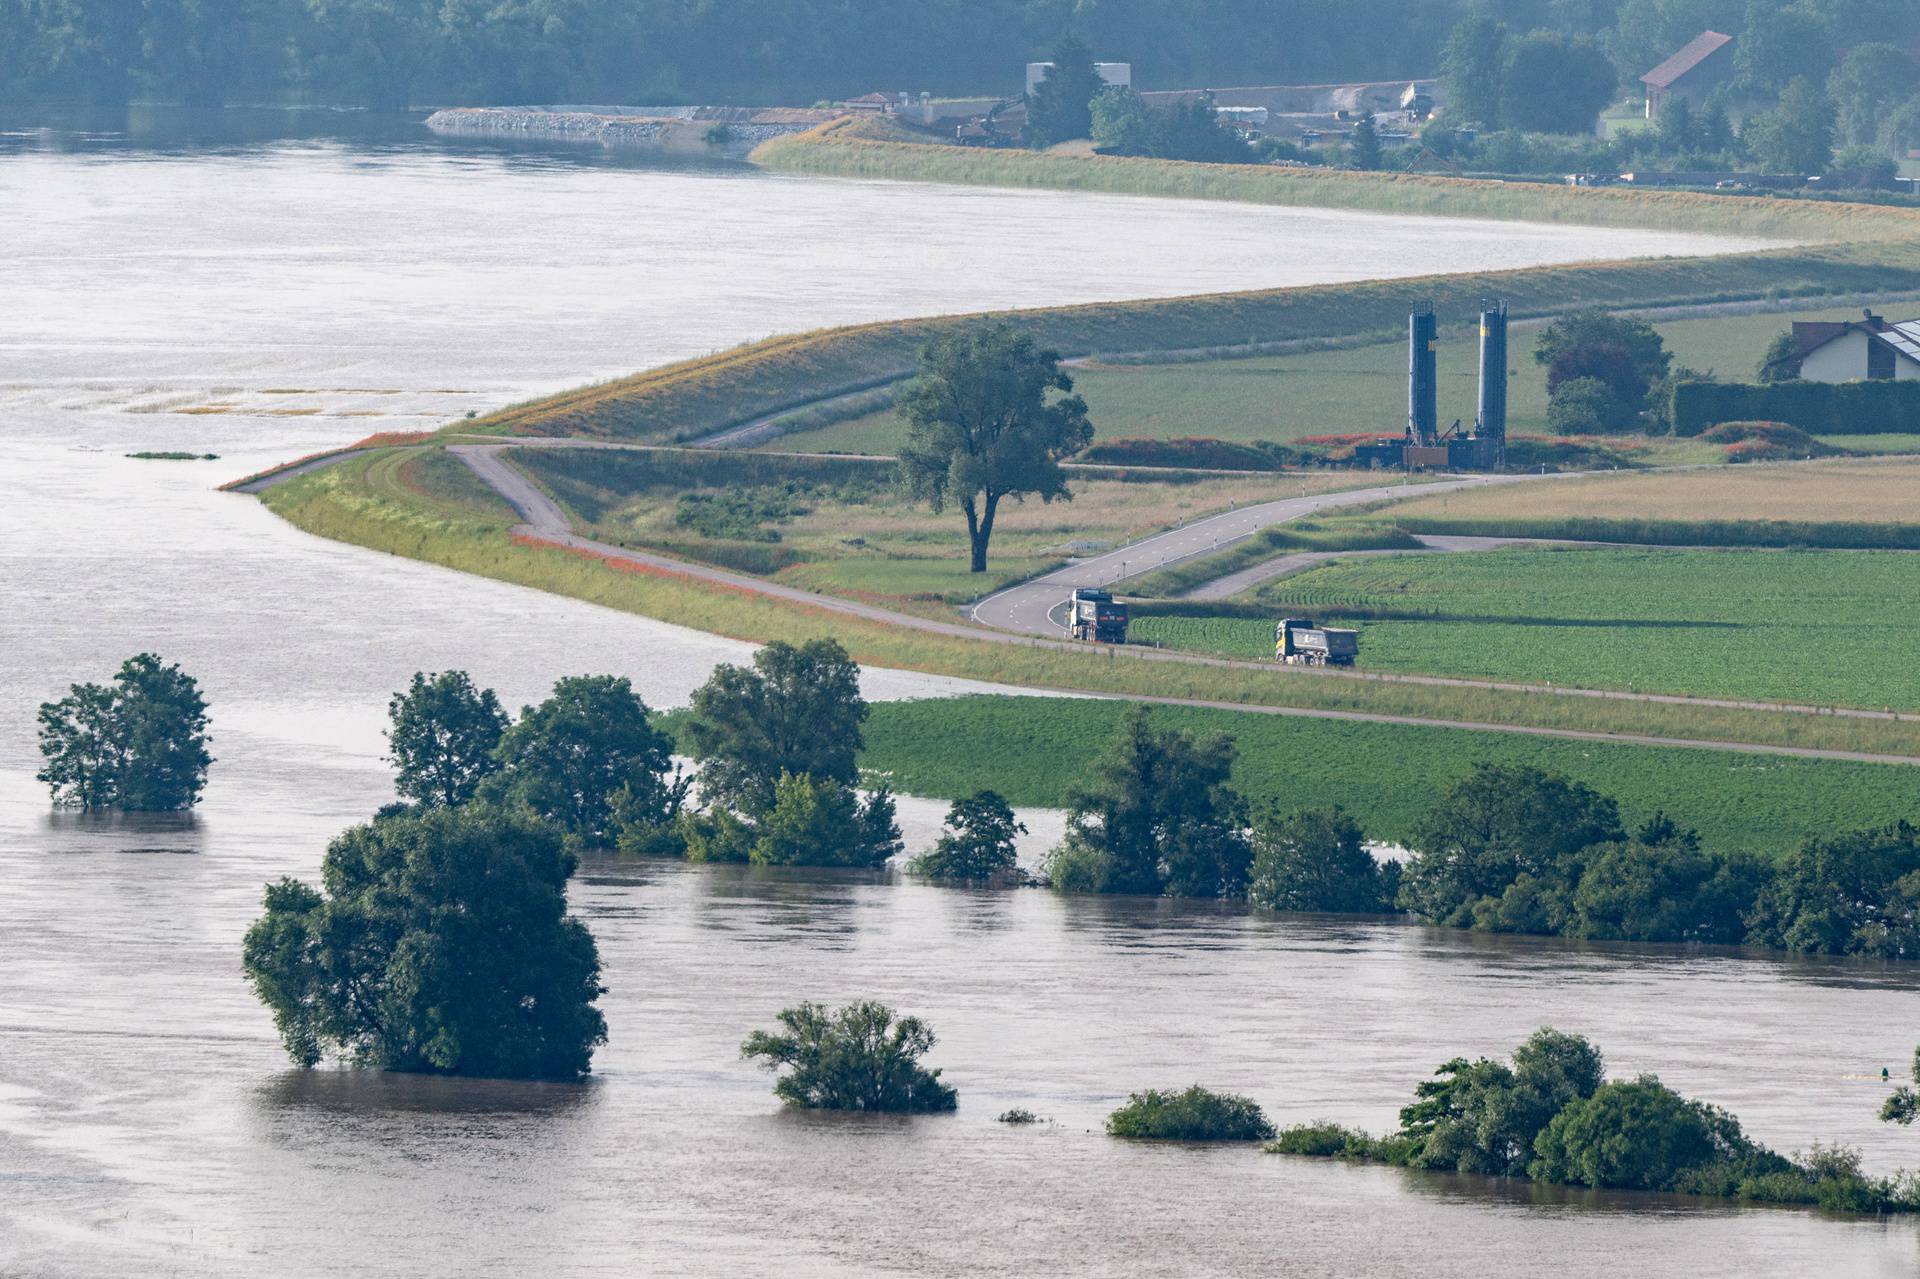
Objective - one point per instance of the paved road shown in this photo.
(546, 522)
(1037, 607)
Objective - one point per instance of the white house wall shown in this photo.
(1842, 360)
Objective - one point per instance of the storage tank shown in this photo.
(1423, 413)
(1491, 424)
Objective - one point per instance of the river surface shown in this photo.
(242, 286)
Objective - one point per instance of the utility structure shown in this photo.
(1424, 446)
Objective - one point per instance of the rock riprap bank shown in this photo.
(660, 128)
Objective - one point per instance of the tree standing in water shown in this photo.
(138, 744)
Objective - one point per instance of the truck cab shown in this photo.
(1095, 616)
(1300, 641)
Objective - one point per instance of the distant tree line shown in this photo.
(396, 53)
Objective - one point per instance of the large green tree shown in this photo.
(139, 743)
(1796, 136)
(1472, 63)
(586, 755)
(1484, 1116)
(1156, 815)
(439, 941)
(1555, 83)
(984, 424)
(441, 736)
(1498, 826)
(1869, 82)
(796, 710)
(1060, 108)
(1782, 42)
(1314, 860)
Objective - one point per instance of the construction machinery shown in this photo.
(1300, 641)
(1096, 617)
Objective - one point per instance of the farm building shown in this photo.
(1700, 66)
(1858, 350)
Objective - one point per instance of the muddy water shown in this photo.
(260, 299)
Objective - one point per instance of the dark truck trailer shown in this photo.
(1299, 641)
(1096, 617)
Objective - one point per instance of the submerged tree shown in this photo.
(590, 760)
(859, 1058)
(439, 941)
(139, 743)
(1197, 1114)
(977, 842)
(982, 428)
(796, 710)
(1315, 860)
(442, 736)
(1156, 816)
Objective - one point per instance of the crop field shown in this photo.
(1822, 627)
(843, 526)
(1033, 749)
(1836, 490)
(1359, 389)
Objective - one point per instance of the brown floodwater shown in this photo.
(262, 298)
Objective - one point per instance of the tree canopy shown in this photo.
(859, 1058)
(138, 744)
(982, 426)
(1315, 860)
(976, 842)
(1194, 1114)
(1060, 107)
(441, 735)
(796, 710)
(1155, 815)
(438, 942)
(587, 754)
(1796, 136)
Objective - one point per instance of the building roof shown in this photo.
(1904, 337)
(1695, 51)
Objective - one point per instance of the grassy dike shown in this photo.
(876, 148)
(1843, 249)
(419, 502)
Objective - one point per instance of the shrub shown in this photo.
(1194, 1115)
(1587, 406)
(1630, 1134)
(1194, 452)
(1019, 1115)
(1766, 442)
(817, 821)
(859, 1058)
(1322, 1139)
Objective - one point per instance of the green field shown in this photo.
(1360, 389)
(1822, 627)
(1033, 749)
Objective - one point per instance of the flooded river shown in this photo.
(259, 299)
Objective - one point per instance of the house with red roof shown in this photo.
(1867, 349)
(1702, 65)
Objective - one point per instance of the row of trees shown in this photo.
(1506, 849)
(1550, 1114)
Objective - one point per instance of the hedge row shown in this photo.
(1818, 408)
(1775, 534)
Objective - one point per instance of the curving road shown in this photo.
(1038, 606)
(547, 522)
